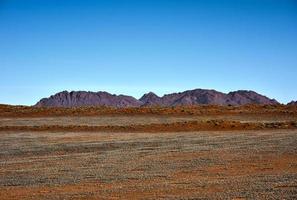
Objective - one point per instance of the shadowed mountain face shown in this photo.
(189, 97)
(206, 97)
(293, 103)
(81, 98)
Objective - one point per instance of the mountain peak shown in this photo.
(149, 95)
(150, 99)
(241, 97)
(292, 103)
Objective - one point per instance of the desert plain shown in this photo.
(194, 152)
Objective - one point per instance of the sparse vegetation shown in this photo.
(27, 111)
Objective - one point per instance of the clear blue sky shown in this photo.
(136, 46)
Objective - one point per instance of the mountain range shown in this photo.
(189, 97)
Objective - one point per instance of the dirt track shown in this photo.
(212, 165)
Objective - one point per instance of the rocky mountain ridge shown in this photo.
(189, 97)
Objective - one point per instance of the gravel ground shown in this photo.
(190, 165)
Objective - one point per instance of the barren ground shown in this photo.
(235, 164)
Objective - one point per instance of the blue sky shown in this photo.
(136, 46)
